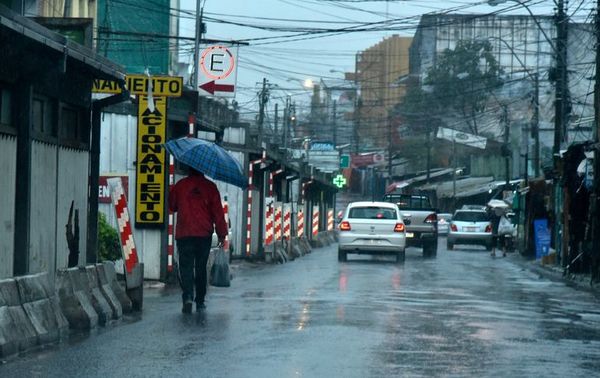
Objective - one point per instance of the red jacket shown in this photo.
(198, 205)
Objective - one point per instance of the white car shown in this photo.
(372, 228)
(472, 227)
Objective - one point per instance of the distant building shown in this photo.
(379, 70)
(523, 46)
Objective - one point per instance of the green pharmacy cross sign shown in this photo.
(339, 181)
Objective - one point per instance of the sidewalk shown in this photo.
(555, 272)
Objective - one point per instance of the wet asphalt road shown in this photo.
(463, 314)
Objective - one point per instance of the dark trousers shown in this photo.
(193, 256)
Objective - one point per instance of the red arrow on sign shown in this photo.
(211, 87)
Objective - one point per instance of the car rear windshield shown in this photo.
(372, 212)
(470, 216)
(407, 201)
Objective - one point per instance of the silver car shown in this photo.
(471, 227)
(372, 228)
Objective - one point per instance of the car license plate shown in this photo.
(410, 235)
(471, 229)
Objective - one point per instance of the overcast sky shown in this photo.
(288, 63)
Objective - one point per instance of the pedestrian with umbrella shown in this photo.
(197, 202)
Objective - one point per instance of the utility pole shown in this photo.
(428, 146)
(262, 101)
(198, 38)
(559, 120)
(594, 215)
(561, 81)
(286, 124)
(389, 120)
(506, 148)
(536, 126)
(276, 120)
(357, 124)
(333, 123)
(455, 158)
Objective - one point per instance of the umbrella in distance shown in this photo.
(209, 158)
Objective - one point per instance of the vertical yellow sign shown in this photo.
(150, 167)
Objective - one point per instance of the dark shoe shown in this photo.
(187, 307)
(200, 306)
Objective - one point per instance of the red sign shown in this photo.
(104, 191)
(367, 160)
(211, 87)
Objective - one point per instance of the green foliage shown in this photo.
(463, 79)
(109, 248)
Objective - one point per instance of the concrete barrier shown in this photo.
(280, 253)
(16, 331)
(75, 303)
(42, 308)
(118, 290)
(89, 283)
(305, 244)
(316, 242)
(295, 250)
(324, 236)
(107, 291)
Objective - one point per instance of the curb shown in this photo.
(555, 273)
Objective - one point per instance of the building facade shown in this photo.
(378, 77)
(46, 144)
(524, 47)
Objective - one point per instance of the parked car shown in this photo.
(472, 227)
(473, 207)
(444, 223)
(372, 228)
(422, 231)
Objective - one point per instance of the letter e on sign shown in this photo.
(218, 71)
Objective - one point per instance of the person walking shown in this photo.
(495, 215)
(197, 202)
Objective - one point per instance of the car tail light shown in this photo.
(488, 228)
(453, 227)
(431, 218)
(345, 226)
(399, 227)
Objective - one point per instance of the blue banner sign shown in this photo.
(542, 237)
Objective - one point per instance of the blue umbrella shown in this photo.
(208, 158)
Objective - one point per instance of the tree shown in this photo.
(109, 246)
(463, 79)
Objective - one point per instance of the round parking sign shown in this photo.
(217, 62)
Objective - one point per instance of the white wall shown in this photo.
(73, 166)
(8, 167)
(117, 154)
(43, 212)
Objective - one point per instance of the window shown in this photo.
(407, 201)
(43, 118)
(372, 212)
(471, 216)
(69, 124)
(5, 107)
(38, 115)
(74, 126)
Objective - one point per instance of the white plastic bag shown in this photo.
(505, 227)
(219, 273)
